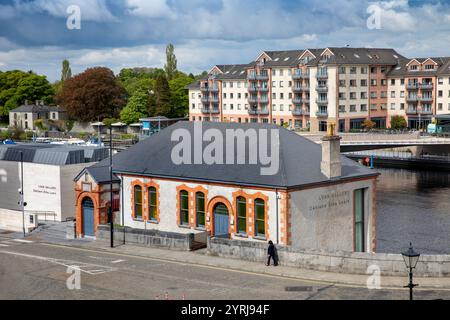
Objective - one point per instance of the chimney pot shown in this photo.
(331, 153)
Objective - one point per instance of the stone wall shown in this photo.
(339, 261)
(150, 238)
(12, 220)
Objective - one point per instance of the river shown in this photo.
(413, 206)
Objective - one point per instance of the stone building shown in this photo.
(314, 199)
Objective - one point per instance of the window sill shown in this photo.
(200, 228)
(185, 226)
(262, 238)
(241, 235)
(152, 221)
(138, 219)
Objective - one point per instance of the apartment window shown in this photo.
(373, 70)
(353, 108)
(373, 82)
(241, 215)
(290, 83)
(231, 106)
(440, 106)
(341, 83)
(152, 208)
(274, 84)
(281, 95)
(392, 82)
(193, 106)
(224, 106)
(373, 94)
(364, 107)
(413, 68)
(352, 95)
(402, 106)
(193, 95)
(402, 94)
(281, 107)
(281, 72)
(383, 69)
(383, 94)
(341, 108)
(239, 106)
(274, 95)
(281, 84)
(383, 82)
(341, 95)
(224, 84)
(224, 95)
(363, 95)
(392, 106)
(290, 95)
(238, 84)
(274, 107)
(231, 84)
(137, 202)
(440, 93)
(373, 106)
(441, 80)
(363, 70)
(200, 208)
(363, 83)
(239, 96)
(359, 219)
(402, 81)
(392, 94)
(353, 70)
(274, 73)
(26, 116)
(289, 72)
(352, 83)
(184, 207)
(260, 218)
(342, 70)
(246, 95)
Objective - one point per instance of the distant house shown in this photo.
(25, 115)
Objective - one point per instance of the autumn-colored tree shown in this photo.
(91, 95)
(368, 124)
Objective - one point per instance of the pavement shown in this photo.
(37, 269)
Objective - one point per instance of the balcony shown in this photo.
(426, 111)
(205, 99)
(426, 86)
(306, 112)
(322, 75)
(412, 98)
(412, 86)
(426, 99)
(210, 110)
(305, 75)
(263, 111)
(204, 89)
(263, 99)
(297, 100)
(297, 76)
(214, 99)
(252, 99)
(322, 113)
(322, 101)
(214, 89)
(263, 89)
(322, 88)
(297, 112)
(297, 88)
(252, 89)
(411, 111)
(263, 76)
(251, 76)
(252, 111)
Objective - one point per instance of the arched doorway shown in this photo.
(87, 207)
(221, 220)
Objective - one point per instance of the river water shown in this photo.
(413, 206)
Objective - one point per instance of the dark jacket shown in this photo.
(271, 250)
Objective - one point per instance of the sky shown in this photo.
(34, 34)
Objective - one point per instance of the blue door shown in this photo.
(88, 217)
(221, 222)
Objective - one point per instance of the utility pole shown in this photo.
(22, 203)
(111, 215)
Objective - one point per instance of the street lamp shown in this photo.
(411, 257)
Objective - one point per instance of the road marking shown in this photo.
(89, 268)
(3, 245)
(118, 261)
(22, 240)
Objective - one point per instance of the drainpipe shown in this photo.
(276, 201)
(122, 206)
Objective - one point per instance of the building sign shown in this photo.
(330, 200)
(45, 190)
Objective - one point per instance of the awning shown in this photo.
(118, 124)
(136, 125)
(442, 116)
(96, 124)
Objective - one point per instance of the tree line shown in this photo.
(97, 93)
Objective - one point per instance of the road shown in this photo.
(36, 270)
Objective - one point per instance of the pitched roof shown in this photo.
(232, 72)
(371, 56)
(299, 160)
(99, 172)
(401, 68)
(38, 108)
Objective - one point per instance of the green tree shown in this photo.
(171, 64)
(93, 94)
(136, 108)
(180, 96)
(162, 97)
(398, 123)
(66, 71)
(17, 86)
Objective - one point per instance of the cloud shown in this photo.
(150, 9)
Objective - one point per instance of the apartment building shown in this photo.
(305, 89)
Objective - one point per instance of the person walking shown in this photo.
(271, 254)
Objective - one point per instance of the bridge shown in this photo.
(371, 141)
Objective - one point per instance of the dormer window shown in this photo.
(429, 67)
(413, 68)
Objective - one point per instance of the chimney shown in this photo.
(26, 102)
(331, 153)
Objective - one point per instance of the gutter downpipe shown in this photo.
(276, 196)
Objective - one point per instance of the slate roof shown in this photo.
(99, 172)
(38, 108)
(193, 86)
(299, 162)
(232, 72)
(348, 55)
(401, 69)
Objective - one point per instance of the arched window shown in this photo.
(241, 222)
(152, 208)
(260, 218)
(184, 208)
(200, 207)
(137, 202)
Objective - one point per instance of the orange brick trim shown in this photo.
(285, 223)
(146, 200)
(135, 183)
(192, 203)
(180, 188)
(374, 216)
(95, 197)
(250, 211)
(194, 211)
(210, 214)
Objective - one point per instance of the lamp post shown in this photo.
(411, 257)
(111, 214)
(22, 203)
